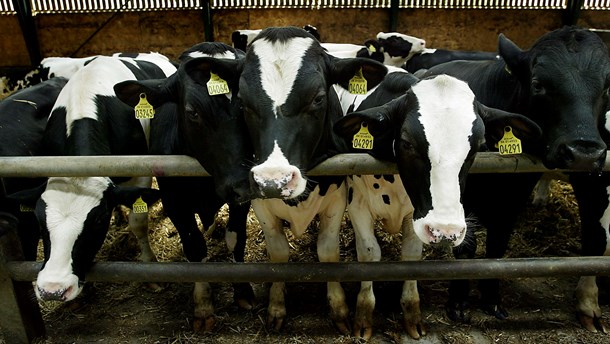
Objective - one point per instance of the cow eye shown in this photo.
(318, 100)
(406, 145)
(537, 87)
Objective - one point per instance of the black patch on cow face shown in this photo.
(395, 46)
(386, 199)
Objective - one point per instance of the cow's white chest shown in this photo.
(384, 200)
(300, 215)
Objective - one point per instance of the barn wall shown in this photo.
(170, 32)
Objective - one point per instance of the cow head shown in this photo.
(564, 79)
(74, 215)
(434, 132)
(211, 128)
(397, 48)
(289, 106)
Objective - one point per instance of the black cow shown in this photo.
(433, 57)
(23, 118)
(562, 84)
(211, 128)
(289, 107)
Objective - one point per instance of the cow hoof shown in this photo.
(592, 324)
(415, 330)
(496, 310)
(342, 326)
(364, 331)
(243, 295)
(203, 325)
(458, 312)
(275, 323)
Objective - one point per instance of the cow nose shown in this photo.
(276, 183)
(439, 233)
(53, 293)
(582, 155)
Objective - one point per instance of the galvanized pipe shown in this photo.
(321, 272)
(180, 165)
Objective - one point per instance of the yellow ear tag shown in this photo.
(139, 206)
(372, 49)
(509, 144)
(357, 84)
(144, 110)
(363, 139)
(25, 209)
(217, 85)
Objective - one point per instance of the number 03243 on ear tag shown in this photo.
(357, 84)
(139, 206)
(363, 139)
(144, 110)
(509, 144)
(217, 85)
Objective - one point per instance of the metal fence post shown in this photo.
(20, 317)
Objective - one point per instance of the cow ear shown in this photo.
(227, 69)
(496, 120)
(28, 197)
(376, 119)
(157, 91)
(128, 195)
(343, 70)
(510, 53)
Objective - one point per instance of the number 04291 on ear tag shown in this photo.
(357, 84)
(217, 85)
(139, 206)
(509, 144)
(363, 138)
(144, 110)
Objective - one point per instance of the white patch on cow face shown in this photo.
(447, 116)
(224, 55)
(277, 174)
(279, 64)
(605, 223)
(68, 202)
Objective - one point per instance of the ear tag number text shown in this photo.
(139, 206)
(357, 84)
(25, 209)
(217, 85)
(363, 139)
(144, 110)
(509, 144)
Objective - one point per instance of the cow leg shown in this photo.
(279, 251)
(368, 250)
(235, 238)
(593, 196)
(412, 249)
(457, 306)
(328, 251)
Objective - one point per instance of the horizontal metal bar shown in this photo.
(343, 272)
(180, 165)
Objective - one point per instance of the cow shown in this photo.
(562, 84)
(289, 107)
(74, 213)
(371, 49)
(23, 118)
(242, 39)
(211, 128)
(398, 48)
(432, 57)
(48, 68)
(432, 130)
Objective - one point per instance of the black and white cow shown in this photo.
(562, 83)
(23, 118)
(211, 128)
(432, 130)
(432, 57)
(74, 213)
(289, 107)
(398, 48)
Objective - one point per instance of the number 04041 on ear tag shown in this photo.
(357, 84)
(144, 110)
(509, 144)
(139, 206)
(217, 85)
(363, 139)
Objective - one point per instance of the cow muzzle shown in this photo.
(578, 155)
(283, 182)
(437, 233)
(57, 291)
